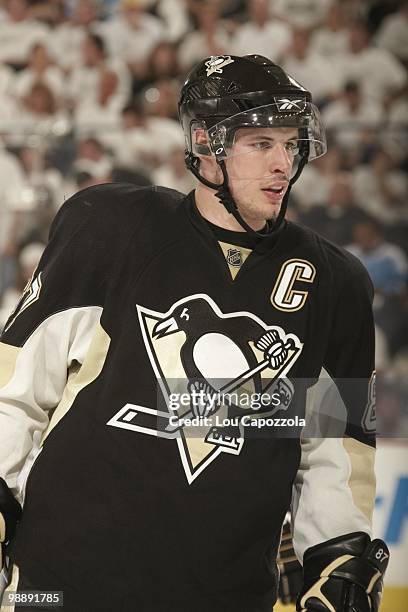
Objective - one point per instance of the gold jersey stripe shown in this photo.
(362, 477)
(81, 377)
(8, 358)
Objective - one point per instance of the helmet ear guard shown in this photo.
(200, 141)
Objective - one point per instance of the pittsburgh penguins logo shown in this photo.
(216, 64)
(199, 352)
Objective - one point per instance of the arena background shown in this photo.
(88, 92)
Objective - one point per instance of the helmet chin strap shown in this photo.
(224, 195)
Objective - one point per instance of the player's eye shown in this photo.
(292, 146)
(261, 144)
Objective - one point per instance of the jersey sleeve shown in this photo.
(47, 337)
(334, 489)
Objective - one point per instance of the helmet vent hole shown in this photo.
(212, 88)
(233, 88)
(193, 93)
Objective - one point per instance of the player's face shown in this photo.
(259, 170)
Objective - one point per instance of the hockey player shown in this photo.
(146, 299)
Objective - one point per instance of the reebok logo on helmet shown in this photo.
(285, 104)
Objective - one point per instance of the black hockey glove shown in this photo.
(344, 574)
(10, 513)
(290, 570)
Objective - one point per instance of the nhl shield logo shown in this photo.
(234, 258)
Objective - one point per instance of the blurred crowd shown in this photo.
(89, 91)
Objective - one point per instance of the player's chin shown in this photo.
(271, 205)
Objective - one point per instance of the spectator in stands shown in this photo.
(336, 218)
(144, 141)
(393, 33)
(161, 100)
(98, 88)
(312, 187)
(16, 208)
(394, 138)
(392, 422)
(12, 187)
(374, 12)
(41, 177)
(102, 112)
(331, 40)
(7, 102)
(382, 352)
(173, 172)
(40, 68)
(262, 34)
(39, 112)
(6, 80)
(84, 180)
(66, 39)
(302, 13)
(132, 34)
(381, 188)
(131, 145)
(398, 112)
(40, 101)
(93, 159)
(381, 75)
(175, 17)
(49, 12)
(312, 70)
(210, 37)
(18, 33)
(26, 264)
(162, 64)
(391, 315)
(399, 371)
(386, 263)
(351, 119)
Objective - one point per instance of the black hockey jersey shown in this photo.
(138, 301)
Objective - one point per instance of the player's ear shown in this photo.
(201, 143)
(201, 147)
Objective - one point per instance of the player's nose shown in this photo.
(279, 159)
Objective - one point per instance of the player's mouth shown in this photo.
(275, 192)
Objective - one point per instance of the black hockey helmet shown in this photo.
(225, 93)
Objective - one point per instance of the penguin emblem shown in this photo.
(201, 353)
(217, 63)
